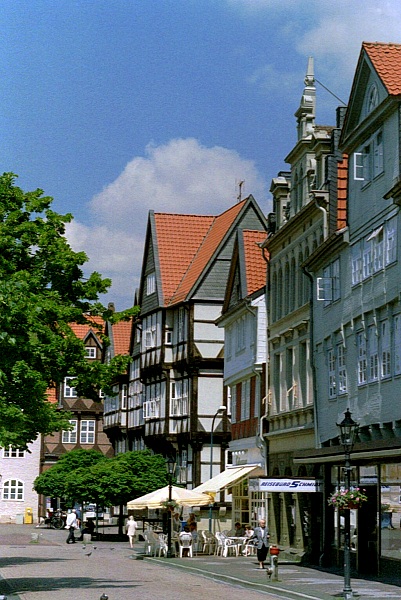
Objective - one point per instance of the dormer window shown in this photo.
(90, 352)
(150, 284)
(372, 99)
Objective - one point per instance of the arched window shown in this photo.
(274, 297)
(279, 294)
(287, 286)
(293, 284)
(306, 280)
(301, 189)
(295, 192)
(13, 489)
(300, 282)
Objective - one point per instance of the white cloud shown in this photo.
(332, 32)
(181, 176)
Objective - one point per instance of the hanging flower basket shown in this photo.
(170, 504)
(347, 499)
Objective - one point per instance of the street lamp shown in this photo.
(170, 463)
(348, 429)
(220, 410)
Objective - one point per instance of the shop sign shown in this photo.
(286, 484)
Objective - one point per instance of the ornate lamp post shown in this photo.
(170, 463)
(348, 429)
(218, 412)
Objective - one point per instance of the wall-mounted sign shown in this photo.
(286, 484)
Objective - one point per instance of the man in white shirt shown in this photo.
(71, 525)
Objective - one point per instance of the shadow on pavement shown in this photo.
(32, 584)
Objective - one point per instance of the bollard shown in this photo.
(272, 571)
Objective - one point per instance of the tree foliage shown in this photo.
(88, 476)
(42, 291)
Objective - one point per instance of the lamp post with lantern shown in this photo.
(349, 429)
(170, 464)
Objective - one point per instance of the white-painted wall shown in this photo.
(24, 469)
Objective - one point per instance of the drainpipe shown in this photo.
(312, 351)
(320, 197)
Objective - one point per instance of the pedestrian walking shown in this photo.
(261, 537)
(71, 525)
(130, 528)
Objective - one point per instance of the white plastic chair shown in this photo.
(185, 542)
(209, 542)
(225, 545)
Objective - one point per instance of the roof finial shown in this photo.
(310, 75)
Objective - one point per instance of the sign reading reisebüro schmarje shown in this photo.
(273, 484)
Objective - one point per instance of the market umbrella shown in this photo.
(159, 498)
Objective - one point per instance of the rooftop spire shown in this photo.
(306, 112)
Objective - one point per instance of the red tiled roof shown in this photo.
(122, 337)
(51, 395)
(178, 240)
(81, 331)
(255, 264)
(342, 191)
(218, 228)
(386, 59)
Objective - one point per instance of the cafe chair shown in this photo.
(209, 542)
(185, 542)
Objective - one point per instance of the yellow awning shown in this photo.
(227, 478)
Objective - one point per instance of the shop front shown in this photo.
(375, 526)
(293, 513)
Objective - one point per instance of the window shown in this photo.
(385, 349)
(367, 259)
(372, 99)
(240, 334)
(150, 337)
(328, 286)
(373, 354)
(13, 489)
(168, 337)
(11, 452)
(181, 324)
(369, 162)
(362, 362)
(90, 352)
(356, 263)
(342, 371)
(245, 399)
(331, 364)
(376, 239)
(124, 396)
(150, 284)
(69, 390)
(70, 437)
(397, 344)
(87, 432)
(233, 404)
(390, 231)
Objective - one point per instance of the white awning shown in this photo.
(227, 478)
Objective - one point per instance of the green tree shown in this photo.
(55, 481)
(87, 476)
(42, 291)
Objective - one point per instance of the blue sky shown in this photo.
(115, 107)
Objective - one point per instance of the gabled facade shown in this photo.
(177, 369)
(244, 322)
(299, 224)
(87, 414)
(115, 411)
(357, 340)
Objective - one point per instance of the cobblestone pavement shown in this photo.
(49, 569)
